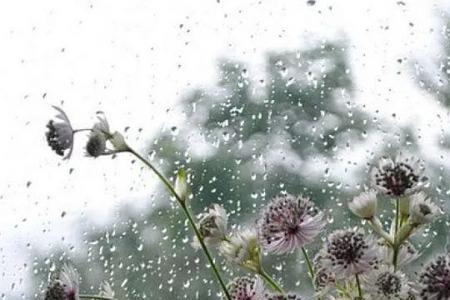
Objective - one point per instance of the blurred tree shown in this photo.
(243, 141)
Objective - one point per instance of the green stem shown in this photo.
(396, 245)
(271, 281)
(309, 264)
(358, 284)
(378, 228)
(190, 219)
(94, 297)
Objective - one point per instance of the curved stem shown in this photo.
(190, 219)
(358, 284)
(275, 286)
(309, 264)
(94, 297)
(82, 129)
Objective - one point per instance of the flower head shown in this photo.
(243, 249)
(399, 177)
(386, 284)
(213, 226)
(246, 288)
(422, 210)
(65, 287)
(96, 144)
(349, 252)
(289, 223)
(60, 134)
(364, 205)
(434, 281)
(324, 279)
(106, 290)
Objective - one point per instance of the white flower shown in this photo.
(422, 210)
(106, 290)
(349, 252)
(399, 177)
(60, 134)
(243, 249)
(386, 284)
(65, 287)
(434, 281)
(96, 144)
(289, 223)
(246, 288)
(364, 205)
(212, 226)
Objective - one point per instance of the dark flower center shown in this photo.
(388, 284)
(396, 180)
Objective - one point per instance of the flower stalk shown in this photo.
(183, 205)
(275, 286)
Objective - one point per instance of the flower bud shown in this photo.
(181, 185)
(364, 205)
(422, 210)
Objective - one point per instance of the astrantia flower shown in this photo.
(246, 288)
(243, 249)
(60, 134)
(213, 226)
(399, 177)
(349, 252)
(106, 290)
(288, 223)
(386, 283)
(422, 210)
(435, 279)
(65, 287)
(96, 144)
(364, 205)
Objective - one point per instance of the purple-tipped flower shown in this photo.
(289, 223)
(100, 133)
(60, 134)
(399, 177)
(246, 288)
(65, 287)
(349, 252)
(386, 284)
(435, 279)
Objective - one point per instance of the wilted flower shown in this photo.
(364, 205)
(243, 249)
(212, 226)
(385, 283)
(422, 210)
(349, 252)
(288, 223)
(60, 134)
(435, 279)
(246, 288)
(96, 144)
(65, 287)
(399, 177)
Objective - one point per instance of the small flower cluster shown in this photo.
(352, 263)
